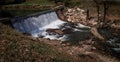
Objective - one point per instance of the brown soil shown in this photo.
(85, 49)
(83, 52)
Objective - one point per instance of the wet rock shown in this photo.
(94, 48)
(58, 31)
(28, 34)
(62, 31)
(40, 36)
(67, 31)
(117, 50)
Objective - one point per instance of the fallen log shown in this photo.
(94, 31)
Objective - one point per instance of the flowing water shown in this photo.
(37, 26)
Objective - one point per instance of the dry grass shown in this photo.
(15, 47)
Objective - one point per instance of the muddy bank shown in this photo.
(84, 51)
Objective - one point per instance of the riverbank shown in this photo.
(16, 47)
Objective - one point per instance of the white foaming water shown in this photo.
(38, 25)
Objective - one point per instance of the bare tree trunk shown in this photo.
(105, 11)
(87, 18)
(98, 8)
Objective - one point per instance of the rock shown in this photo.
(115, 26)
(67, 31)
(93, 23)
(40, 36)
(75, 15)
(34, 38)
(69, 10)
(28, 34)
(58, 31)
(87, 47)
(88, 42)
(68, 44)
(94, 48)
(88, 53)
(78, 9)
(63, 45)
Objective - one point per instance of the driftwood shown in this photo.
(94, 31)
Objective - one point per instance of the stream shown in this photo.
(47, 25)
(38, 26)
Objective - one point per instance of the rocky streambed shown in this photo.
(105, 34)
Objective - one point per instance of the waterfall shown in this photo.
(37, 25)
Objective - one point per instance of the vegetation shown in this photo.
(25, 11)
(16, 47)
(41, 2)
(22, 12)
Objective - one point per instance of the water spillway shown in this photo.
(35, 25)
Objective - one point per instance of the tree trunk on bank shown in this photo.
(105, 11)
(94, 31)
(98, 8)
(87, 18)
